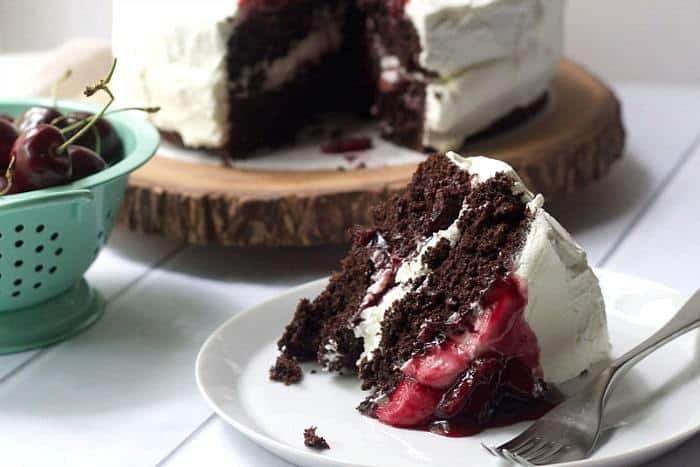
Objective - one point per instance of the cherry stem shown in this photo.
(98, 140)
(56, 84)
(9, 175)
(79, 123)
(148, 110)
(103, 85)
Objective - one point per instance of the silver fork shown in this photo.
(570, 431)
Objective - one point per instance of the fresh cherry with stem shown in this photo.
(41, 154)
(85, 161)
(104, 139)
(6, 182)
(36, 115)
(8, 136)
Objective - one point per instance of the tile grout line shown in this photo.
(7, 376)
(651, 200)
(186, 440)
(119, 293)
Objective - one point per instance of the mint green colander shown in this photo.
(49, 238)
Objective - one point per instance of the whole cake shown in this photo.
(237, 75)
(465, 297)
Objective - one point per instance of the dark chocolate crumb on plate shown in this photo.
(286, 370)
(314, 441)
(313, 372)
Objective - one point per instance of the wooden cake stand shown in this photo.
(569, 144)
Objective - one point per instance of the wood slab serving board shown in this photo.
(571, 142)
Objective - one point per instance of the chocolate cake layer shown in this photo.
(338, 81)
(400, 90)
(389, 33)
(264, 34)
(321, 329)
(493, 229)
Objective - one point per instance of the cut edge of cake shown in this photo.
(439, 72)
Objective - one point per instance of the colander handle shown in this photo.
(9, 204)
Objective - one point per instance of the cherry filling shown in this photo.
(463, 379)
(385, 265)
(349, 144)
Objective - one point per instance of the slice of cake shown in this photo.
(237, 75)
(464, 297)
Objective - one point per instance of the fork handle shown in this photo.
(687, 319)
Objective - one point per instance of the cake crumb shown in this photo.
(314, 441)
(286, 370)
(313, 372)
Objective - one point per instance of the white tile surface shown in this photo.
(123, 393)
(665, 244)
(661, 123)
(126, 259)
(128, 381)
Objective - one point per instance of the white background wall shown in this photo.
(622, 40)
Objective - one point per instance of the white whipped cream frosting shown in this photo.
(491, 57)
(565, 306)
(172, 54)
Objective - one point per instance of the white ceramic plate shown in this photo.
(654, 409)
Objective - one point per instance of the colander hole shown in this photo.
(109, 214)
(40, 228)
(99, 235)
(19, 263)
(97, 250)
(17, 282)
(59, 252)
(16, 293)
(19, 228)
(39, 248)
(52, 270)
(19, 243)
(39, 268)
(54, 236)
(37, 285)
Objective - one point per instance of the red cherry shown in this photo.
(439, 366)
(35, 116)
(84, 161)
(110, 144)
(504, 304)
(38, 163)
(8, 136)
(475, 390)
(518, 379)
(410, 404)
